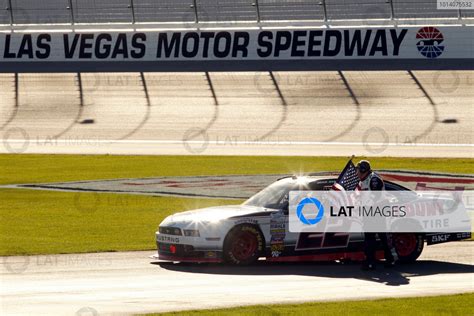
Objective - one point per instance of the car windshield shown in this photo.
(275, 196)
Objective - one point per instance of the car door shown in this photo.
(304, 243)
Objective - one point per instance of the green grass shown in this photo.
(44, 222)
(461, 304)
(46, 168)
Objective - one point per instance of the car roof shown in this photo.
(327, 179)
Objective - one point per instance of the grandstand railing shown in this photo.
(84, 12)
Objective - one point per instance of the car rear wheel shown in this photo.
(243, 245)
(408, 246)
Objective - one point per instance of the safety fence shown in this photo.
(25, 12)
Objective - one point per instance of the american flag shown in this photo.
(348, 179)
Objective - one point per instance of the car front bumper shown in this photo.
(171, 248)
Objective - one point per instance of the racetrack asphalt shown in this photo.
(397, 113)
(131, 282)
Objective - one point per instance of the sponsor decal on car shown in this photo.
(277, 233)
(257, 234)
(210, 254)
(174, 240)
(246, 221)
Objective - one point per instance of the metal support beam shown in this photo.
(392, 11)
(71, 11)
(10, 9)
(196, 17)
(257, 8)
(325, 10)
(132, 8)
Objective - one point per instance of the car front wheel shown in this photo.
(243, 245)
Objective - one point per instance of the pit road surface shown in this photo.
(130, 282)
(397, 113)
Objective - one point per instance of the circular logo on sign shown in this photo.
(310, 221)
(430, 42)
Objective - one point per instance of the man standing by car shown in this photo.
(371, 181)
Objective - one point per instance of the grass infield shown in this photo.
(46, 222)
(461, 304)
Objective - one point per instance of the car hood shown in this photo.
(214, 214)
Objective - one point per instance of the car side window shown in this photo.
(321, 185)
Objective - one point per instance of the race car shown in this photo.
(241, 234)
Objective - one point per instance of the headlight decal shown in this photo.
(191, 233)
(170, 231)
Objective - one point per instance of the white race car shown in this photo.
(241, 234)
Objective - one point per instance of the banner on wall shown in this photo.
(383, 43)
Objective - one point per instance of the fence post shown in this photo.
(196, 17)
(72, 12)
(325, 10)
(392, 12)
(257, 7)
(459, 14)
(132, 8)
(11, 11)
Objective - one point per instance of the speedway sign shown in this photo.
(383, 48)
(351, 43)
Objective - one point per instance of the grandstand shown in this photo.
(77, 12)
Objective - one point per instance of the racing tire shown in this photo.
(408, 246)
(243, 245)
